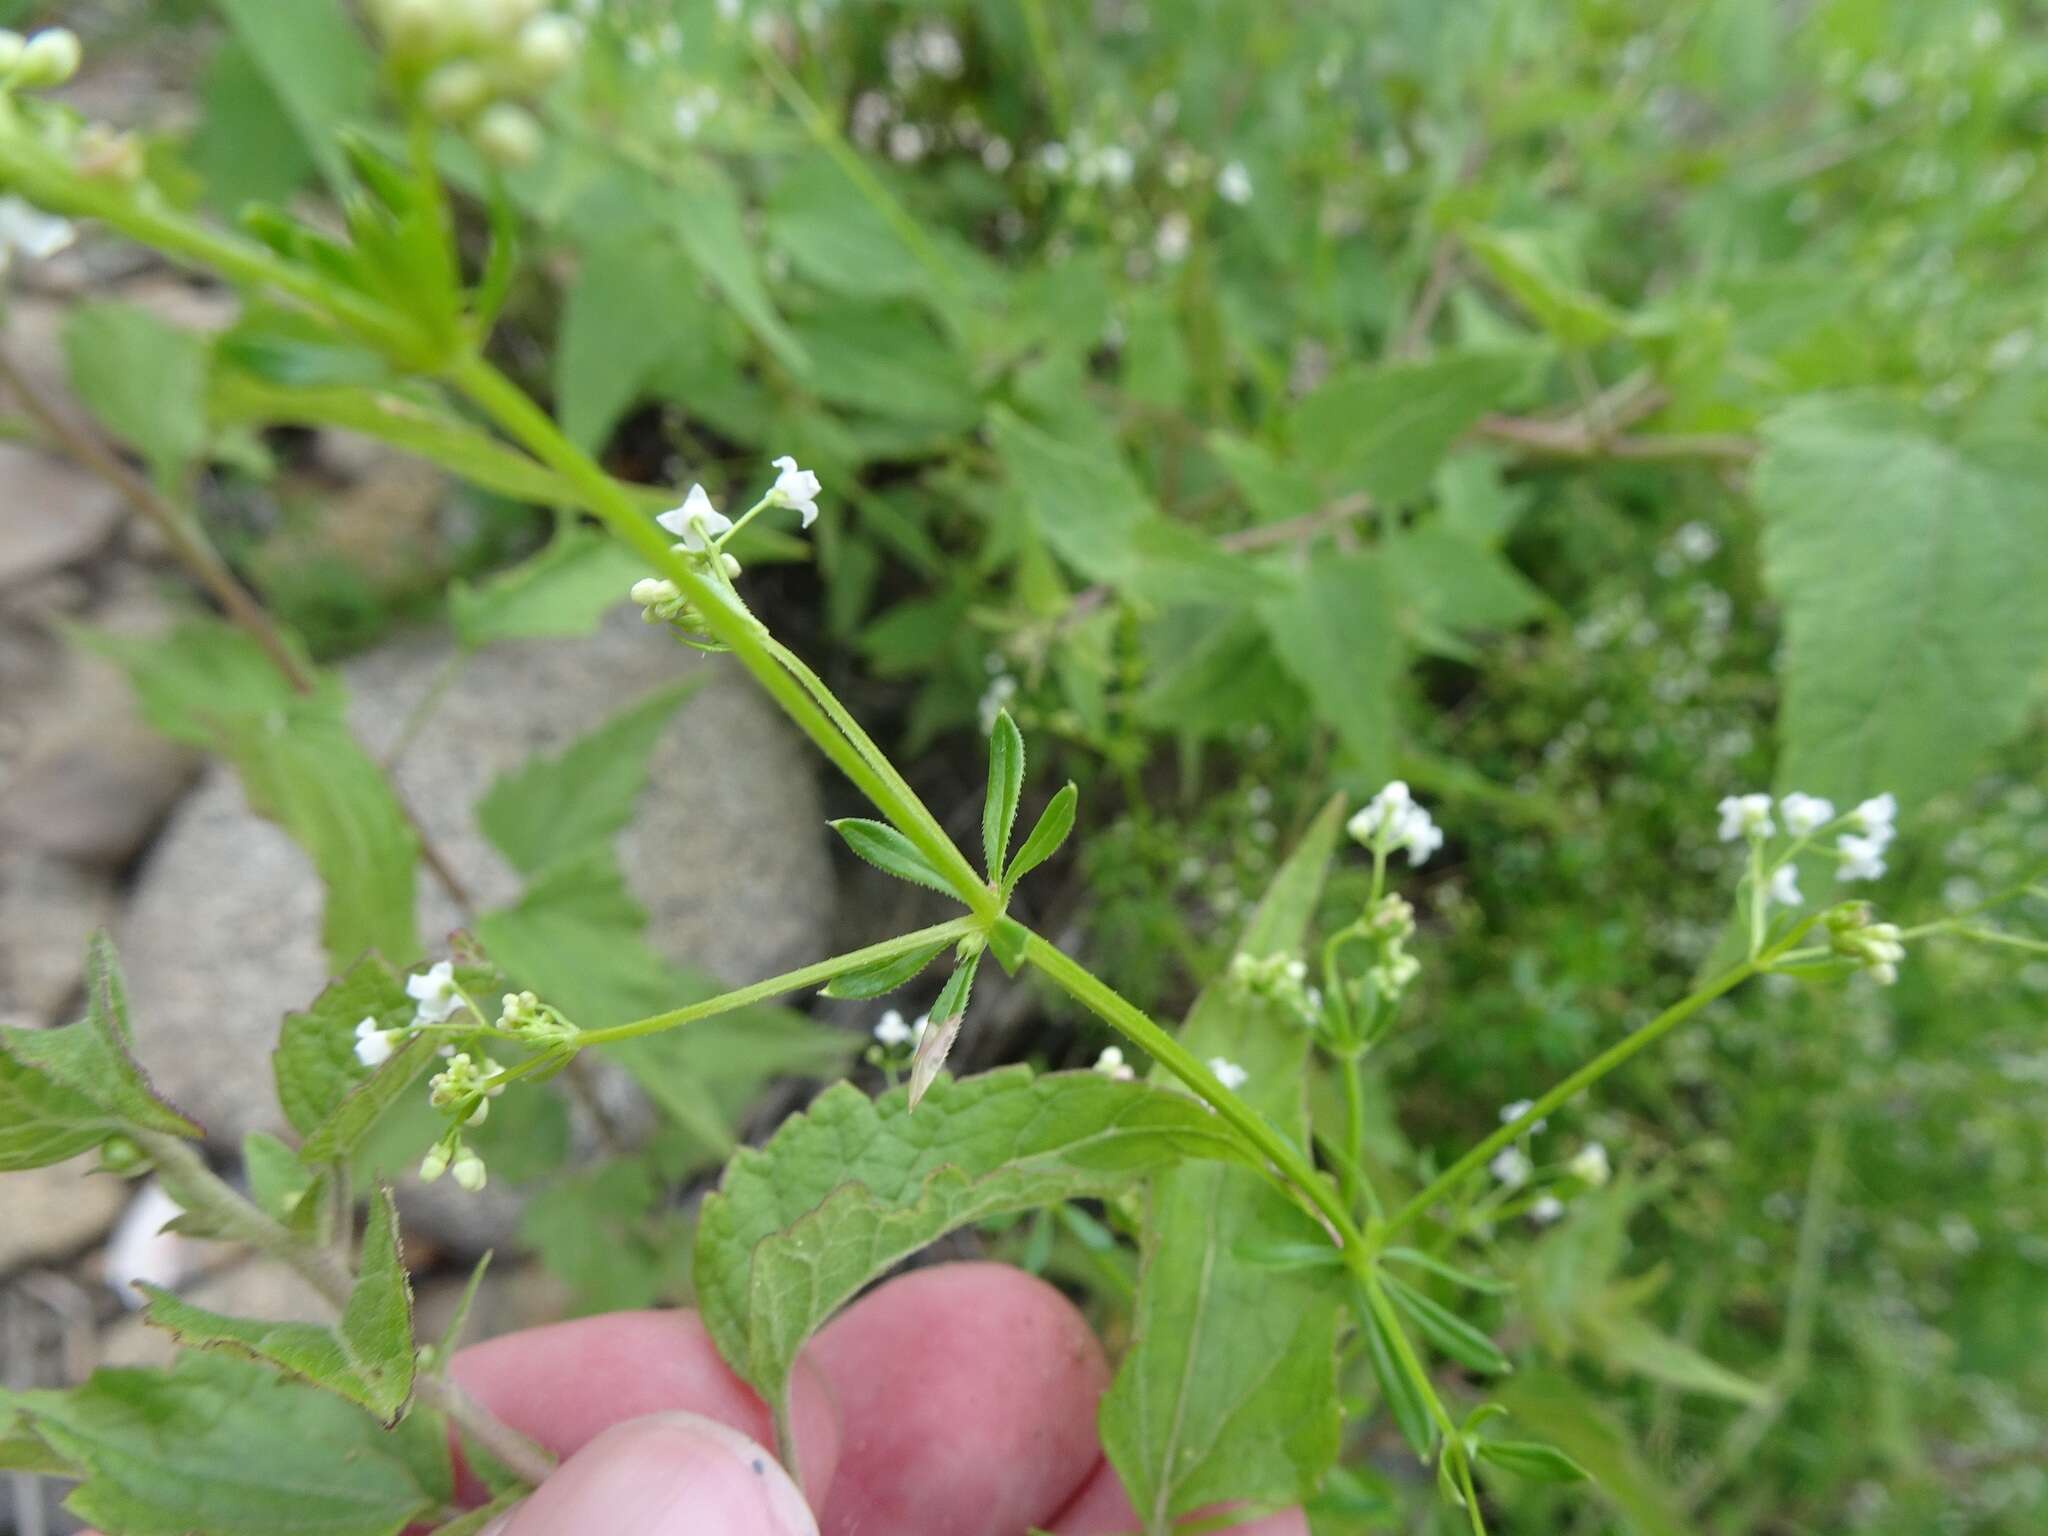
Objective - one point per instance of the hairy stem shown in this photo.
(199, 1190)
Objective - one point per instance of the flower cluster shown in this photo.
(1392, 821)
(1875, 947)
(1514, 1169)
(435, 994)
(1111, 1064)
(1280, 979)
(1863, 836)
(702, 532)
(474, 63)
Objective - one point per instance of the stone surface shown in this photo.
(51, 515)
(92, 782)
(57, 1211)
(48, 909)
(258, 1288)
(221, 937)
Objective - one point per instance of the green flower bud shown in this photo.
(49, 58)
(456, 91)
(548, 46)
(120, 1155)
(469, 1170)
(508, 136)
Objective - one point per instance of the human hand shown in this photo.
(953, 1401)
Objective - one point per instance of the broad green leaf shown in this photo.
(278, 1181)
(1005, 786)
(1385, 429)
(1910, 569)
(1338, 636)
(575, 937)
(1275, 490)
(212, 686)
(355, 1116)
(367, 1358)
(316, 63)
(835, 237)
(705, 215)
(1474, 502)
(612, 1233)
(890, 851)
(1535, 276)
(891, 361)
(245, 147)
(227, 1447)
(314, 1062)
(1454, 584)
(1046, 836)
(65, 1091)
(564, 590)
(1229, 1390)
(144, 379)
(884, 975)
(616, 327)
(551, 808)
(846, 1190)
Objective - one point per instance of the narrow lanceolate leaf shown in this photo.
(884, 975)
(65, 1091)
(550, 808)
(213, 686)
(1446, 1330)
(852, 1186)
(948, 1013)
(1404, 1404)
(890, 851)
(366, 1358)
(1050, 831)
(1533, 1460)
(1910, 569)
(1229, 1389)
(229, 1447)
(1005, 786)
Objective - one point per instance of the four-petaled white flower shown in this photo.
(1392, 820)
(891, 1029)
(1862, 857)
(1234, 183)
(27, 229)
(1510, 1113)
(1745, 816)
(795, 487)
(1545, 1209)
(1876, 815)
(1111, 1064)
(1784, 887)
(1229, 1073)
(373, 1044)
(435, 993)
(696, 522)
(1590, 1163)
(1511, 1166)
(1805, 813)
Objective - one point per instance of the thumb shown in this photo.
(670, 1474)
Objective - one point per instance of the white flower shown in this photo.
(1745, 816)
(1175, 235)
(1697, 542)
(797, 488)
(1229, 1073)
(696, 522)
(34, 233)
(1510, 1113)
(1545, 1209)
(1392, 820)
(891, 1029)
(1876, 815)
(1511, 1166)
(1805, 813)
(1784, 887)
(1234, 183)
(434, 992)
(1590, 1163)
(1111, 1064)
(373, 1044)
(1862, 857)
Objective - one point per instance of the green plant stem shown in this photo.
(199, 1190)
(506, 404)
(1352, 1070)
(1607, 1061)
(1129, 1021)
(789, 981)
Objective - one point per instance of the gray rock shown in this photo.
(55, 1212)
(48, 909)
(221, 938)
(51, 515)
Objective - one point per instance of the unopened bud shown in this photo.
(730, 565)
(11, 45)
(469, 1170)
(435, 1163)
(650, 591)
(508, 136)
(119, 1154)
(548, 45)
(456, 91)
(50, 57)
